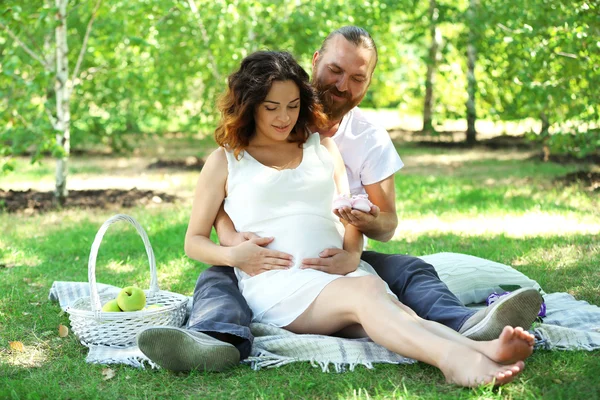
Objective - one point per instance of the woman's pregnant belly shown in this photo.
(302, 236)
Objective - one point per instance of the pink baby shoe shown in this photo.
(361, 202)
(341, 201)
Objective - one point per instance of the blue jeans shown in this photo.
(219, 307)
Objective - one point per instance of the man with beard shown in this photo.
(218, 334)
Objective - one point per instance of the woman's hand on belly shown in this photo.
(333, 261)
(253, 258)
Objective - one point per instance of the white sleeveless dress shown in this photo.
(294, 207)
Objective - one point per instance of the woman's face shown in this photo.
(277, 115)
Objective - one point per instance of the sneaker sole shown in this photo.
(520, 309)
(176, 350)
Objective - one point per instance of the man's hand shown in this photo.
(253, 258)
(333, 261)
(360, 219)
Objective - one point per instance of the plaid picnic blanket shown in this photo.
(569, 324)
(272, 346)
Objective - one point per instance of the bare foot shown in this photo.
(514, 344)
(468, 367)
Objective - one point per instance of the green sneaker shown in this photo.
(179, 349)
(520, 308)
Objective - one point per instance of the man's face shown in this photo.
(341, 75)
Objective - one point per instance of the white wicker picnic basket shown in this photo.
(118, 329)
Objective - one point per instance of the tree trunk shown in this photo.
(544, 135)
(63, 111)
(471, 82)
(432, 61)
(545, 124)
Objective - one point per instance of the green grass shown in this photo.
(44, 169)
(494, 205)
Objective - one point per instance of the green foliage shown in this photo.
(156, 66)
(545, 63)
(24, 84)
(577, 144)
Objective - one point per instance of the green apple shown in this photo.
(111, 306)
(131, 298)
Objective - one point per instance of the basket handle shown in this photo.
(95, 298)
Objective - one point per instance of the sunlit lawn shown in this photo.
(497, 205)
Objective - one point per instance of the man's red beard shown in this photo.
(335, 110)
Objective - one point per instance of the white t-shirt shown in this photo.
(367, 150)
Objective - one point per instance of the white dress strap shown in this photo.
(231, 160)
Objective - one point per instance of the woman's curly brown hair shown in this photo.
(249, 86)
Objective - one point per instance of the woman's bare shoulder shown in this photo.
(216, 159)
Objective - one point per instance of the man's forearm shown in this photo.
(383, 227)
(202, 249)
(225, 229)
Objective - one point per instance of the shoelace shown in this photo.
(492, 298)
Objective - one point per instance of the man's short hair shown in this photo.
(355, 35)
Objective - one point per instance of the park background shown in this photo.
(109, 106)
